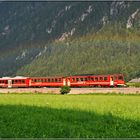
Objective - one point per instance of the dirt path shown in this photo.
(73, 90)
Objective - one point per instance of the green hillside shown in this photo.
(66, 38)
(99, 53)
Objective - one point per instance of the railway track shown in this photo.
(128, 90)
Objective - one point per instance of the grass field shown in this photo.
(74, 116)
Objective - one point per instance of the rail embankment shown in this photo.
(128, 90)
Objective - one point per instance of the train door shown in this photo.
(64, 82)
(9, 83)
(111, 81)
(68, 81)
(30, 82)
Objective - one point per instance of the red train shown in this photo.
(114, 80)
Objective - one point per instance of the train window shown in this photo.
(52, 80)
(77, 79)
(101, 78)
(73, 79)
(96, 78)
(13, 81)
(48, 80)
(81, 79)
(120, 78)
(60, 79)
(86, 79)
(92, 78)
(105, 78)
(0, 81)
(6, 82)
(56, 80)
(112, 78)
(115, 77)
(22, 81)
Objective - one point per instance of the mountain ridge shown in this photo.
(30, 30)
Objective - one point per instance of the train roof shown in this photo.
(94, 74)
(48, 77)
(17, 77)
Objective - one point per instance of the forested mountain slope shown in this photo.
(64, 38)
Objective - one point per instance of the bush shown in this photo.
(65, 90)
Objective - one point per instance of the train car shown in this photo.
(11, 82)
(47, 81)
(107, 80)
(95, 81)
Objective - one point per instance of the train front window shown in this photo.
(120, 78)
(115, 77)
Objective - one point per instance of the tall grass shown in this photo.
(69, 116)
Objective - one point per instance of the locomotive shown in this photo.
(113, 80)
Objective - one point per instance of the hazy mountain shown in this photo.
(62, 38)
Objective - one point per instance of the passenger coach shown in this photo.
(14, 82)
(96, 80)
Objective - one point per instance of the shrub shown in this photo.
(65, 90)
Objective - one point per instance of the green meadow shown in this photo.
(69, 116)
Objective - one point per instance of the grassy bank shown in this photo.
(75, 116)
(133, 84)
